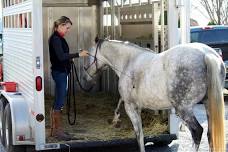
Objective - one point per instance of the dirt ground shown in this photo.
(94, 114)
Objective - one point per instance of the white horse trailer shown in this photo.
(26, 28)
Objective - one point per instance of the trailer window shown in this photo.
(7, 3)
(18, 21)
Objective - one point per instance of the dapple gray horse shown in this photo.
(179, 77)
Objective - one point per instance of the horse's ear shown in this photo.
(96, 39)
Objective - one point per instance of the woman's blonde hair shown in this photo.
(63, 20)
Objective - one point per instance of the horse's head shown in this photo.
(96, 61)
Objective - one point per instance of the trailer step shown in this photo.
(121, 144)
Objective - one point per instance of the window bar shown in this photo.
(23, 20)
(28, 20)
(20, 20)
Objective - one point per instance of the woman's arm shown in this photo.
(62, 56)
(82, 53)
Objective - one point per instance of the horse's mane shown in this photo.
(127, 43)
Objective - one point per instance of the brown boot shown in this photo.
(56, 128)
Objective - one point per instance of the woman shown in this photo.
(60, 66)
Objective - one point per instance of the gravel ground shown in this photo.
(1, 148)
(184, 142)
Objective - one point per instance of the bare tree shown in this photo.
(217, 10)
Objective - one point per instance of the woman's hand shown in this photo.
(84, 53)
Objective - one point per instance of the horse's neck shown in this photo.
(119, 55)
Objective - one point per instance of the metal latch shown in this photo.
(37, 62)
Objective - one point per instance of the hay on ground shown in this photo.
(94, 112)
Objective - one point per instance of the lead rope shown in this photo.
(71, 90)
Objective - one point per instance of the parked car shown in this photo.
(215, 36)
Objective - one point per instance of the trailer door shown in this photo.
(23, 58)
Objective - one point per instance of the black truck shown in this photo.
(215, 36)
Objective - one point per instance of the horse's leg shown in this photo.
(117, 113)
(205, 102)
(134, 114)
(208, 130)
(193, 125)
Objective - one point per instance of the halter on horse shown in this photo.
(179, 77)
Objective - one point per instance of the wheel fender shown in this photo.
(20, 119)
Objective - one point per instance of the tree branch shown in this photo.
(217, 10)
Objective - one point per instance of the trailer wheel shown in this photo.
(7, 126)
(2, 106)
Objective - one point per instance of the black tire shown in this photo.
(7, 131)
(2, 107)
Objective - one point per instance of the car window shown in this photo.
(210, 36)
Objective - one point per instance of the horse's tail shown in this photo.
(215, 105)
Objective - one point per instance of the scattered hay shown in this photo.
(94, 114)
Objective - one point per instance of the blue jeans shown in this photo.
(60, 79)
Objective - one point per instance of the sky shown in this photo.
(198, 13)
